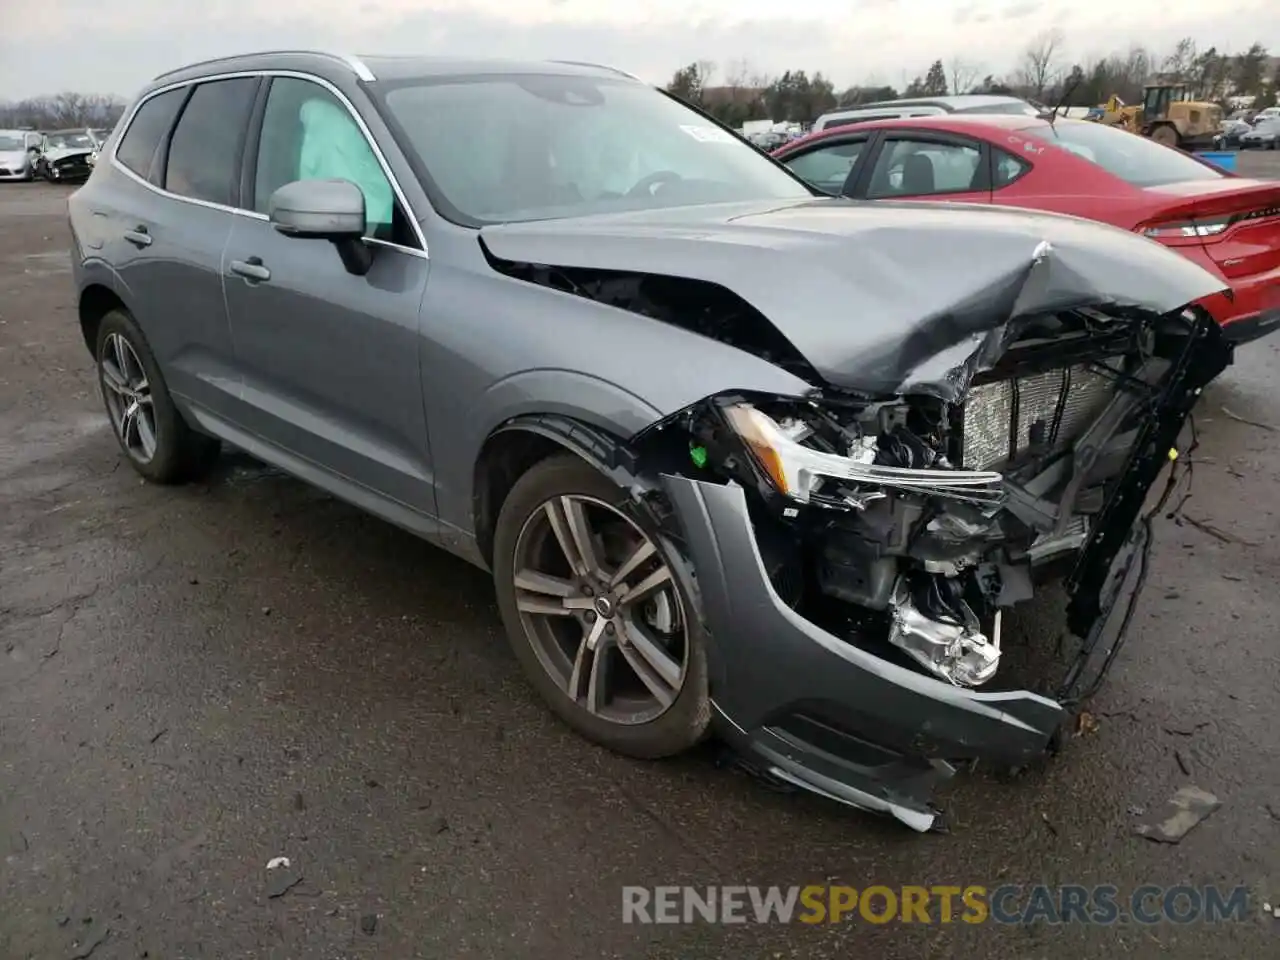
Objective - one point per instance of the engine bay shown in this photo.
(912, 524)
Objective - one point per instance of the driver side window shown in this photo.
(308, 134)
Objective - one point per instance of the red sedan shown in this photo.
(1229, 225)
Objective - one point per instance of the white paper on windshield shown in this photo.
(707, 134)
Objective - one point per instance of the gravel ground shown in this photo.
(194, 681)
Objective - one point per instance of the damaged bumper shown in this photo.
(822, 711)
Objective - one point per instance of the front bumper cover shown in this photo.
(820, 713)
(781, 682)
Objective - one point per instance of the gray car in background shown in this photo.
(742, 459)
(1265, 134)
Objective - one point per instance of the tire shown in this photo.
(1165, 135)
(177, 452)
(683, 722)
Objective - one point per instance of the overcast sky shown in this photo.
(114, 46)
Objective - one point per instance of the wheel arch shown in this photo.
(516, 446)
(96, 301)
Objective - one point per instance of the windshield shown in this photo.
(534, 147)
(9, 142)
(1135, 159)
(1268, 125)
(78, 138)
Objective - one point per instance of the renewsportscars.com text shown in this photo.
(1008, 904)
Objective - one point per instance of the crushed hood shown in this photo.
(886, 298)
(61, 153)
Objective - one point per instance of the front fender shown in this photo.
(565, 394)
(535, 351)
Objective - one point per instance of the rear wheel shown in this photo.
(150, 430)
(595, 614)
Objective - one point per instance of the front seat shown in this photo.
(917, 174)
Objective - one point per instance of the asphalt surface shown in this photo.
(194, 681)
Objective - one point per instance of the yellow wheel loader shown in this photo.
(1167, 115)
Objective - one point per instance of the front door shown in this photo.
(329, 360)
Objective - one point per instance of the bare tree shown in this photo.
(68, 109)
(706, 71)
(1041, 62)
(737, 73)
(964, 74)
(1182, 61)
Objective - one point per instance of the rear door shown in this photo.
(328, 359)
(925, 165)
(169, 224)
(831, 165)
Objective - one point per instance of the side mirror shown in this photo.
(330, 210)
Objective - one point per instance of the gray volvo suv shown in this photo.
(741, 459)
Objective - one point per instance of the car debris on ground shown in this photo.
(1184, 811)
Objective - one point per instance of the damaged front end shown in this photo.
(896, 531)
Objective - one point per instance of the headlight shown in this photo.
(797, 470)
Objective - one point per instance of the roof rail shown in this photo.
(356, 65)
(598, 66)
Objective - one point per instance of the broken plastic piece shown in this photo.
(1185, 810)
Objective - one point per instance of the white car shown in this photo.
(15, 157)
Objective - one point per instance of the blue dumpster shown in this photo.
(1225, 160)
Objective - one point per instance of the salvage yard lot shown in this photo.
(194, 681)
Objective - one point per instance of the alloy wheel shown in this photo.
(601, 609)
(128, 397)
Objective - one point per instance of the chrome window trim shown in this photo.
(127, 122)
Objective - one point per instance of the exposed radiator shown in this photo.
(1002, 419)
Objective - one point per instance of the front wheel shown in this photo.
(596, 614)
(150, 430)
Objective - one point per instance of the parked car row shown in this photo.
(1244, 130)
(1228, 225)
(59, 156)
(1265, 133)
(742, 457)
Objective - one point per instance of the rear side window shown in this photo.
(1006, 168)
(149, 126)
(205, 151)
(914, 168)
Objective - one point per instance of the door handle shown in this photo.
(138, 236)
(251, 269)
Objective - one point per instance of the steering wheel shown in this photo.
(646, 184)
